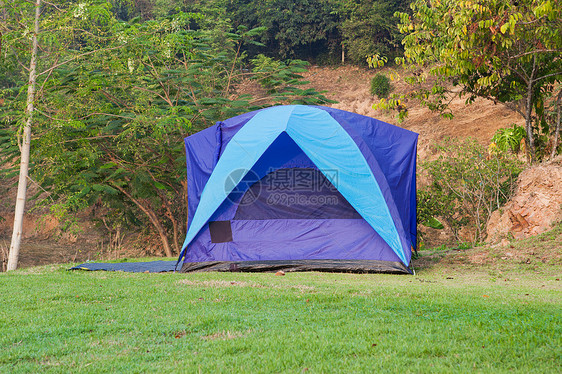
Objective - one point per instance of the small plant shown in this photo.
(464, 245)
(380, 86)
(376, 61)
(509, 139)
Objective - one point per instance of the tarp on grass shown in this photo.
(130, 267)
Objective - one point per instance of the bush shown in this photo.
(380, 86)
(466, 186)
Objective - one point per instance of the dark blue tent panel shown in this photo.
(301, 183)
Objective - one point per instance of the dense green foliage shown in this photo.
(308, 29)
(380, 86)
(466, 185)
(117, 99)
(294, 28)
(439, 321)
(504, 50)
(369, 27)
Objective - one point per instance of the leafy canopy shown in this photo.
(116, 100)
(508, 51)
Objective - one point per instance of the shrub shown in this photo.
(380, 86)
(466, 185)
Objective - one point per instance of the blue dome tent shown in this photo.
(300, 188)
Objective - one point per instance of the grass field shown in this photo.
(453, 316)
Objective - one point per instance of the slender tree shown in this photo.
(25, 148)
(54, 45)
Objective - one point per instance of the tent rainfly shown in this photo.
(301, 188)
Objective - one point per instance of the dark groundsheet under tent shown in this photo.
(339, 266)
(129, 267)
(334, 266)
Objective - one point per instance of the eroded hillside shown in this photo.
(349, 86)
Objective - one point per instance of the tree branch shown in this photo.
(548, 76)
(78, 56)
(90, 138)
(536, 52)
(154, 93)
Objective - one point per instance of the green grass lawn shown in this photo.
(450, 317)
(58, 320)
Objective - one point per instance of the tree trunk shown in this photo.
(25, 148)
(557, 131)
(175, 231)
(529, 125)
(184, 199)
(528, 114)
(175, 228)
(153, 219)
